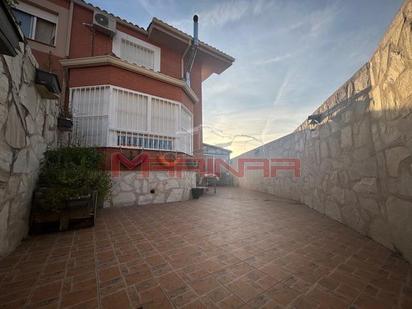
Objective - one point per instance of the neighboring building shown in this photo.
(211, 152)
(215, 152)
(127, 87)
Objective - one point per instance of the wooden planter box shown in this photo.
(78, 212)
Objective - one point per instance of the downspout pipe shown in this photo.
(183, 66)
(69, 28)
(193, 49)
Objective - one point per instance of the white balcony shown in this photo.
(109, 116)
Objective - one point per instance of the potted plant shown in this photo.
(71, 185)
(197, 192)
(65, 120)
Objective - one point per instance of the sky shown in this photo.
(291, 55)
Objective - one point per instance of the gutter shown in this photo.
(69, 29)
(182, 61)
(193, 50)
(180, 35)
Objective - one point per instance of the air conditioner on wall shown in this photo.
(104, 23)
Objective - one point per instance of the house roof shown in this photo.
(168, 28)
(189, 38)
(217, 147)
(118, 18)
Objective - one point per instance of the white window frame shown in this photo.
(117, 43)
(39, 13)
(191, 130)
(114, 127)
(112, 121)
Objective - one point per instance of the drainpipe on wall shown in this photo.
(65, 85)
(64, 103)
(193, 49)
(183, 71)
(69, 28)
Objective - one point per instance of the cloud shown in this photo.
(231, 11)
(321, 20)
(153, 7)
(266, 102)
(241, 130)
(275, 59)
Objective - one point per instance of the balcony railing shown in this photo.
(126, 139)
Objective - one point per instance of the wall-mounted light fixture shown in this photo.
(314, 120)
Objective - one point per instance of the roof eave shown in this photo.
(163, 26)
(217, 147)
(184, 37)
(118, 18)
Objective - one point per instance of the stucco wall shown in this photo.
(27, 128)
(134, 188)
(357, 164)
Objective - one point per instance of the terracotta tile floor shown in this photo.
(238, 248)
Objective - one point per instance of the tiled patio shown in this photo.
(238, 248)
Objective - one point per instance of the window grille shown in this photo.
(108, 116)
(186, 131)
(137, 54)
(131, 110)
(164, 116)
(145, 141)
(136, 51)
(90, 108)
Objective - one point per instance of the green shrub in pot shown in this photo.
(70, 173)
(74, 156)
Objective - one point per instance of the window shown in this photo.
(137, 54)
(45, 31)
(26, 22)
(36, 24)
(131, 110)
(164, 116)
(136, 51)
(109, 116)
(90, 108)
(186, 131)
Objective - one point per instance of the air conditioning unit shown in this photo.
(104, 23)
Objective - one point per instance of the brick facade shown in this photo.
(80, 40)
